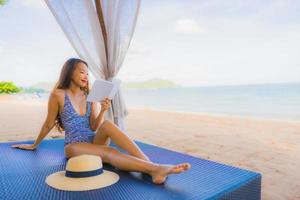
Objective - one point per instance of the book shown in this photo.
(102, 89)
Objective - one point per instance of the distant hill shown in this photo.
(39, 87)
(150, 84)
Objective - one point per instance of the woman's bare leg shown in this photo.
(108, 130)
(126, 162)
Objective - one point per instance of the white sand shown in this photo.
(266, 146)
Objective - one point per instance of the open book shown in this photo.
(102, 89)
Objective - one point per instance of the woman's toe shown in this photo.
(184, 166)
(187, 166)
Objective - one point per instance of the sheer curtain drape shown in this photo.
(100, 31)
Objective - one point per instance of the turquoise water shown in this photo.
(271, 101)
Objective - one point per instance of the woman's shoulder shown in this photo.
(57, 94)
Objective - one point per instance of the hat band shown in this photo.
(84, 173)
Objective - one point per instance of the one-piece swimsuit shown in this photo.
(77, 127)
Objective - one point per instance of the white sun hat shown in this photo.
(83, 172)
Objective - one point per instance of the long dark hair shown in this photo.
(65, 81)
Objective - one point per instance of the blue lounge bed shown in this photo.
(23, 173)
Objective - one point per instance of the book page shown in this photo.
(100, 90)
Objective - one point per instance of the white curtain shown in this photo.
(100, 31)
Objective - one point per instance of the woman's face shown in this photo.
(80, 75)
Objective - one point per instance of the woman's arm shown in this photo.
(53, 108)
(97, 118)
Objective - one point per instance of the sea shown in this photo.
(265, 101)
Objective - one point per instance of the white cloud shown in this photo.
(137, 48)
(33, 3)
(188, 26)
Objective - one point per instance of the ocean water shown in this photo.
(267, 101)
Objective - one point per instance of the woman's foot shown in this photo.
(160, 173)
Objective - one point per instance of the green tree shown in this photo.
(8, 87)
(2, 2)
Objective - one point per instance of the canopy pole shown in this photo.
(104, 34)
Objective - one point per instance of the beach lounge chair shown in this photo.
(23, 173)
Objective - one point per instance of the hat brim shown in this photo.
(59, 181)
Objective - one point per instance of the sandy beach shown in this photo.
(270, 147)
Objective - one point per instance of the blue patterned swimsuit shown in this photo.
(77, 127)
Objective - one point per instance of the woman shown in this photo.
(86, 131)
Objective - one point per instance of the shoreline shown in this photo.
(203, 114)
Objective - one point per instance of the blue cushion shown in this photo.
(23, 173)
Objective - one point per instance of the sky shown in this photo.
(192, 43)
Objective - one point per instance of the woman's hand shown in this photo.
(25, 146)
(105, 104)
